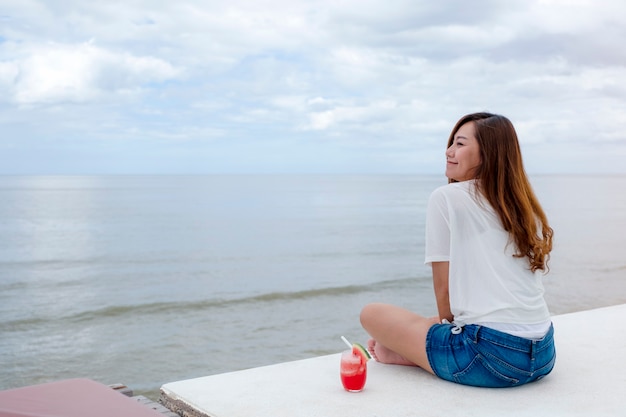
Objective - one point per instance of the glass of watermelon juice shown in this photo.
(353, 369)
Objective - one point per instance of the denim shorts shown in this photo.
(484, 357)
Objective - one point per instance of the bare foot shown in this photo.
(385, 355)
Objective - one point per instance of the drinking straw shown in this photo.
(346, 342)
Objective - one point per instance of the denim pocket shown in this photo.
(484, 357)
(480, 373)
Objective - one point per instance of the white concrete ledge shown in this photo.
(589, 379)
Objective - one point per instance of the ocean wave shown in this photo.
(181, 307)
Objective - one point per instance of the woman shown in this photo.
(488, 242)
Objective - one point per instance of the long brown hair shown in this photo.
(504, 183)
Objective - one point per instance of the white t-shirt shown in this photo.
(487, 284)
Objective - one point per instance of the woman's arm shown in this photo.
(442, 295)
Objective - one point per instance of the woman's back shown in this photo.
(487, 283)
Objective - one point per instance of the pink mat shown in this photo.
(70, 398)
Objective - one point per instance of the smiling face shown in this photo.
(463, 155)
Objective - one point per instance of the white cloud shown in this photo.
(360, 115)
(357, 74)
(8, 74)
(51, 73)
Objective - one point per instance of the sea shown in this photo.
(146, 280)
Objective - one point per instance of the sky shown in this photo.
(302, 86)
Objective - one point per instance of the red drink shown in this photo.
(353, 371)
